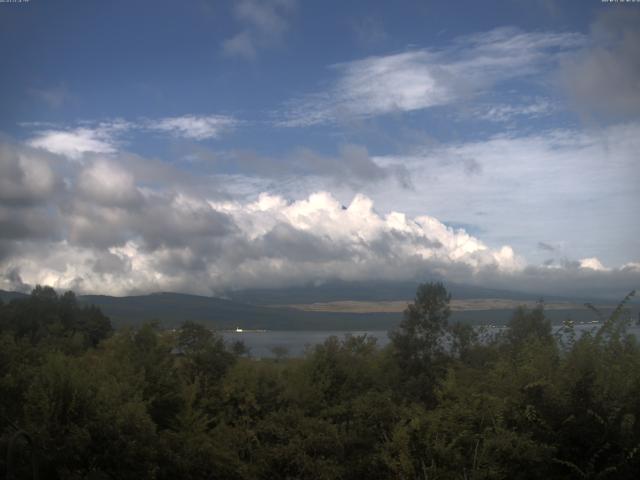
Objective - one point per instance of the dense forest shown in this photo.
(442, 401)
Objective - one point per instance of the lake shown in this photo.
(295, 342)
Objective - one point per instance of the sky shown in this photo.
(201, 146)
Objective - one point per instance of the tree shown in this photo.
(59, 321)
(94, 325)
(528, 325)
(418, 341)
(205, 358)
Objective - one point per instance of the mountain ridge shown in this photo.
(274, 309)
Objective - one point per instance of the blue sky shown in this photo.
(197, 146)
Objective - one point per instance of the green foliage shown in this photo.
(526, 326)
(418, 342)
(87, 419)
(57, 321)
(441, 401)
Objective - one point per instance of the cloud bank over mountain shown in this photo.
(98, 227)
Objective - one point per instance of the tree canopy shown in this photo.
(86, 402)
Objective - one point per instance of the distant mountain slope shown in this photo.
(256, 309)
(173, 308)
(371, 291)
(8, 296)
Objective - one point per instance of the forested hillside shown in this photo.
(80, 400)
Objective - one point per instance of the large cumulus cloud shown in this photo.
(116, 235)
(117, 225)
(28, 185)
(206, 246)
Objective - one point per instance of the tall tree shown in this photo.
(418, 341)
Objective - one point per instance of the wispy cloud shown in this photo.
(240, 45)
(54, 97)
(352, 166)
(369, 31)
(193, 126)
(264, 24)
(506, 112)
(106, 137)
(546, 247)
(424, 78)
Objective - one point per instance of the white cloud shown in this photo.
(194, 127)
(273, 240)
(424, 78)
(74, 143)
(105, 137)
(120, 238)
(593, 263)
(358, 227)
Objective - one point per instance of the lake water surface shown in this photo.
(294, 342)
(261, 344)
